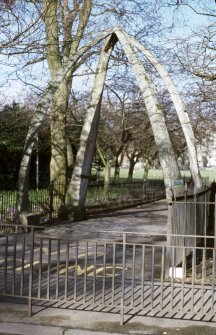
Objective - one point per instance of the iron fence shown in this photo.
(192, 215)
(44, 198)
(124, 272)
(124, 193)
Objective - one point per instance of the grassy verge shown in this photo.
(157, 174)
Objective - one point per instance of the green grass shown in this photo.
(157, 174)
(7, 199)
(96, 195)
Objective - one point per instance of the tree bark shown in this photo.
(145, 172)
(73, 24)
(41, 111)
(156, 117)
(131, 170)
(117, 170)
(70, 161)
(107, 170)
(58, 162)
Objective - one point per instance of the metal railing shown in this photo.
(192, 215)
(44, 199)
(124, 193)
(124, 272)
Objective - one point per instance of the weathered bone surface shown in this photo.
(79, 182)
(180, 109)
(82, 169)
(155, 114)
(42, 110)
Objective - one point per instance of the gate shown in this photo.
(122, 272)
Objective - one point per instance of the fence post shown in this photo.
(215, 223)
(51, 190)
(169, 224)
(31, 271)
(2, 208)
(185, 212)
(123, 277)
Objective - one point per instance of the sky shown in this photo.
(17, 82)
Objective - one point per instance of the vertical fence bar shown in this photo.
(195, 232)
(58, 268)
(193, 277)
(94, 272)
(152, 276)
(203, 277)
(85, 272)
(66, 270)
(22, 267)
(75, 271)
(213, 282)
(162, 276)
(205, 219)
(40, 267)
(104, 274)
(51, 196)
(215, 223)
(31, 271)
(2, 208)
(169, 228)
(142, 276)
(173, 274)
(133, 274)
(6, 265)
(4, 213)
(48, 269)
(185, 214)
(113, 272)
(183, 279)
(14, 264)
(123, 276)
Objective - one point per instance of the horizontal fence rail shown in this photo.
(120, 271)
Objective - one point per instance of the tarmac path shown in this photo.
(65, 318)
(149, 218)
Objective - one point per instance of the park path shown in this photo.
(71, 271)
(148, 218)
(144, 224)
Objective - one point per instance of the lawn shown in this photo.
(157, 174)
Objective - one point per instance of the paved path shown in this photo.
(149, 218)
(62, 318)
(14, 320)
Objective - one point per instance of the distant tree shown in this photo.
(14, 122)
(63, 33)
(204, 161)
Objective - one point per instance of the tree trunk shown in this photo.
(41, 111)
(58, 162)
(131, 170)
(180, 109)
(156, 117)
(70, 161)
(82, 169)
(31, 138)
(107, 170)
(117, 170)
(146, 171)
